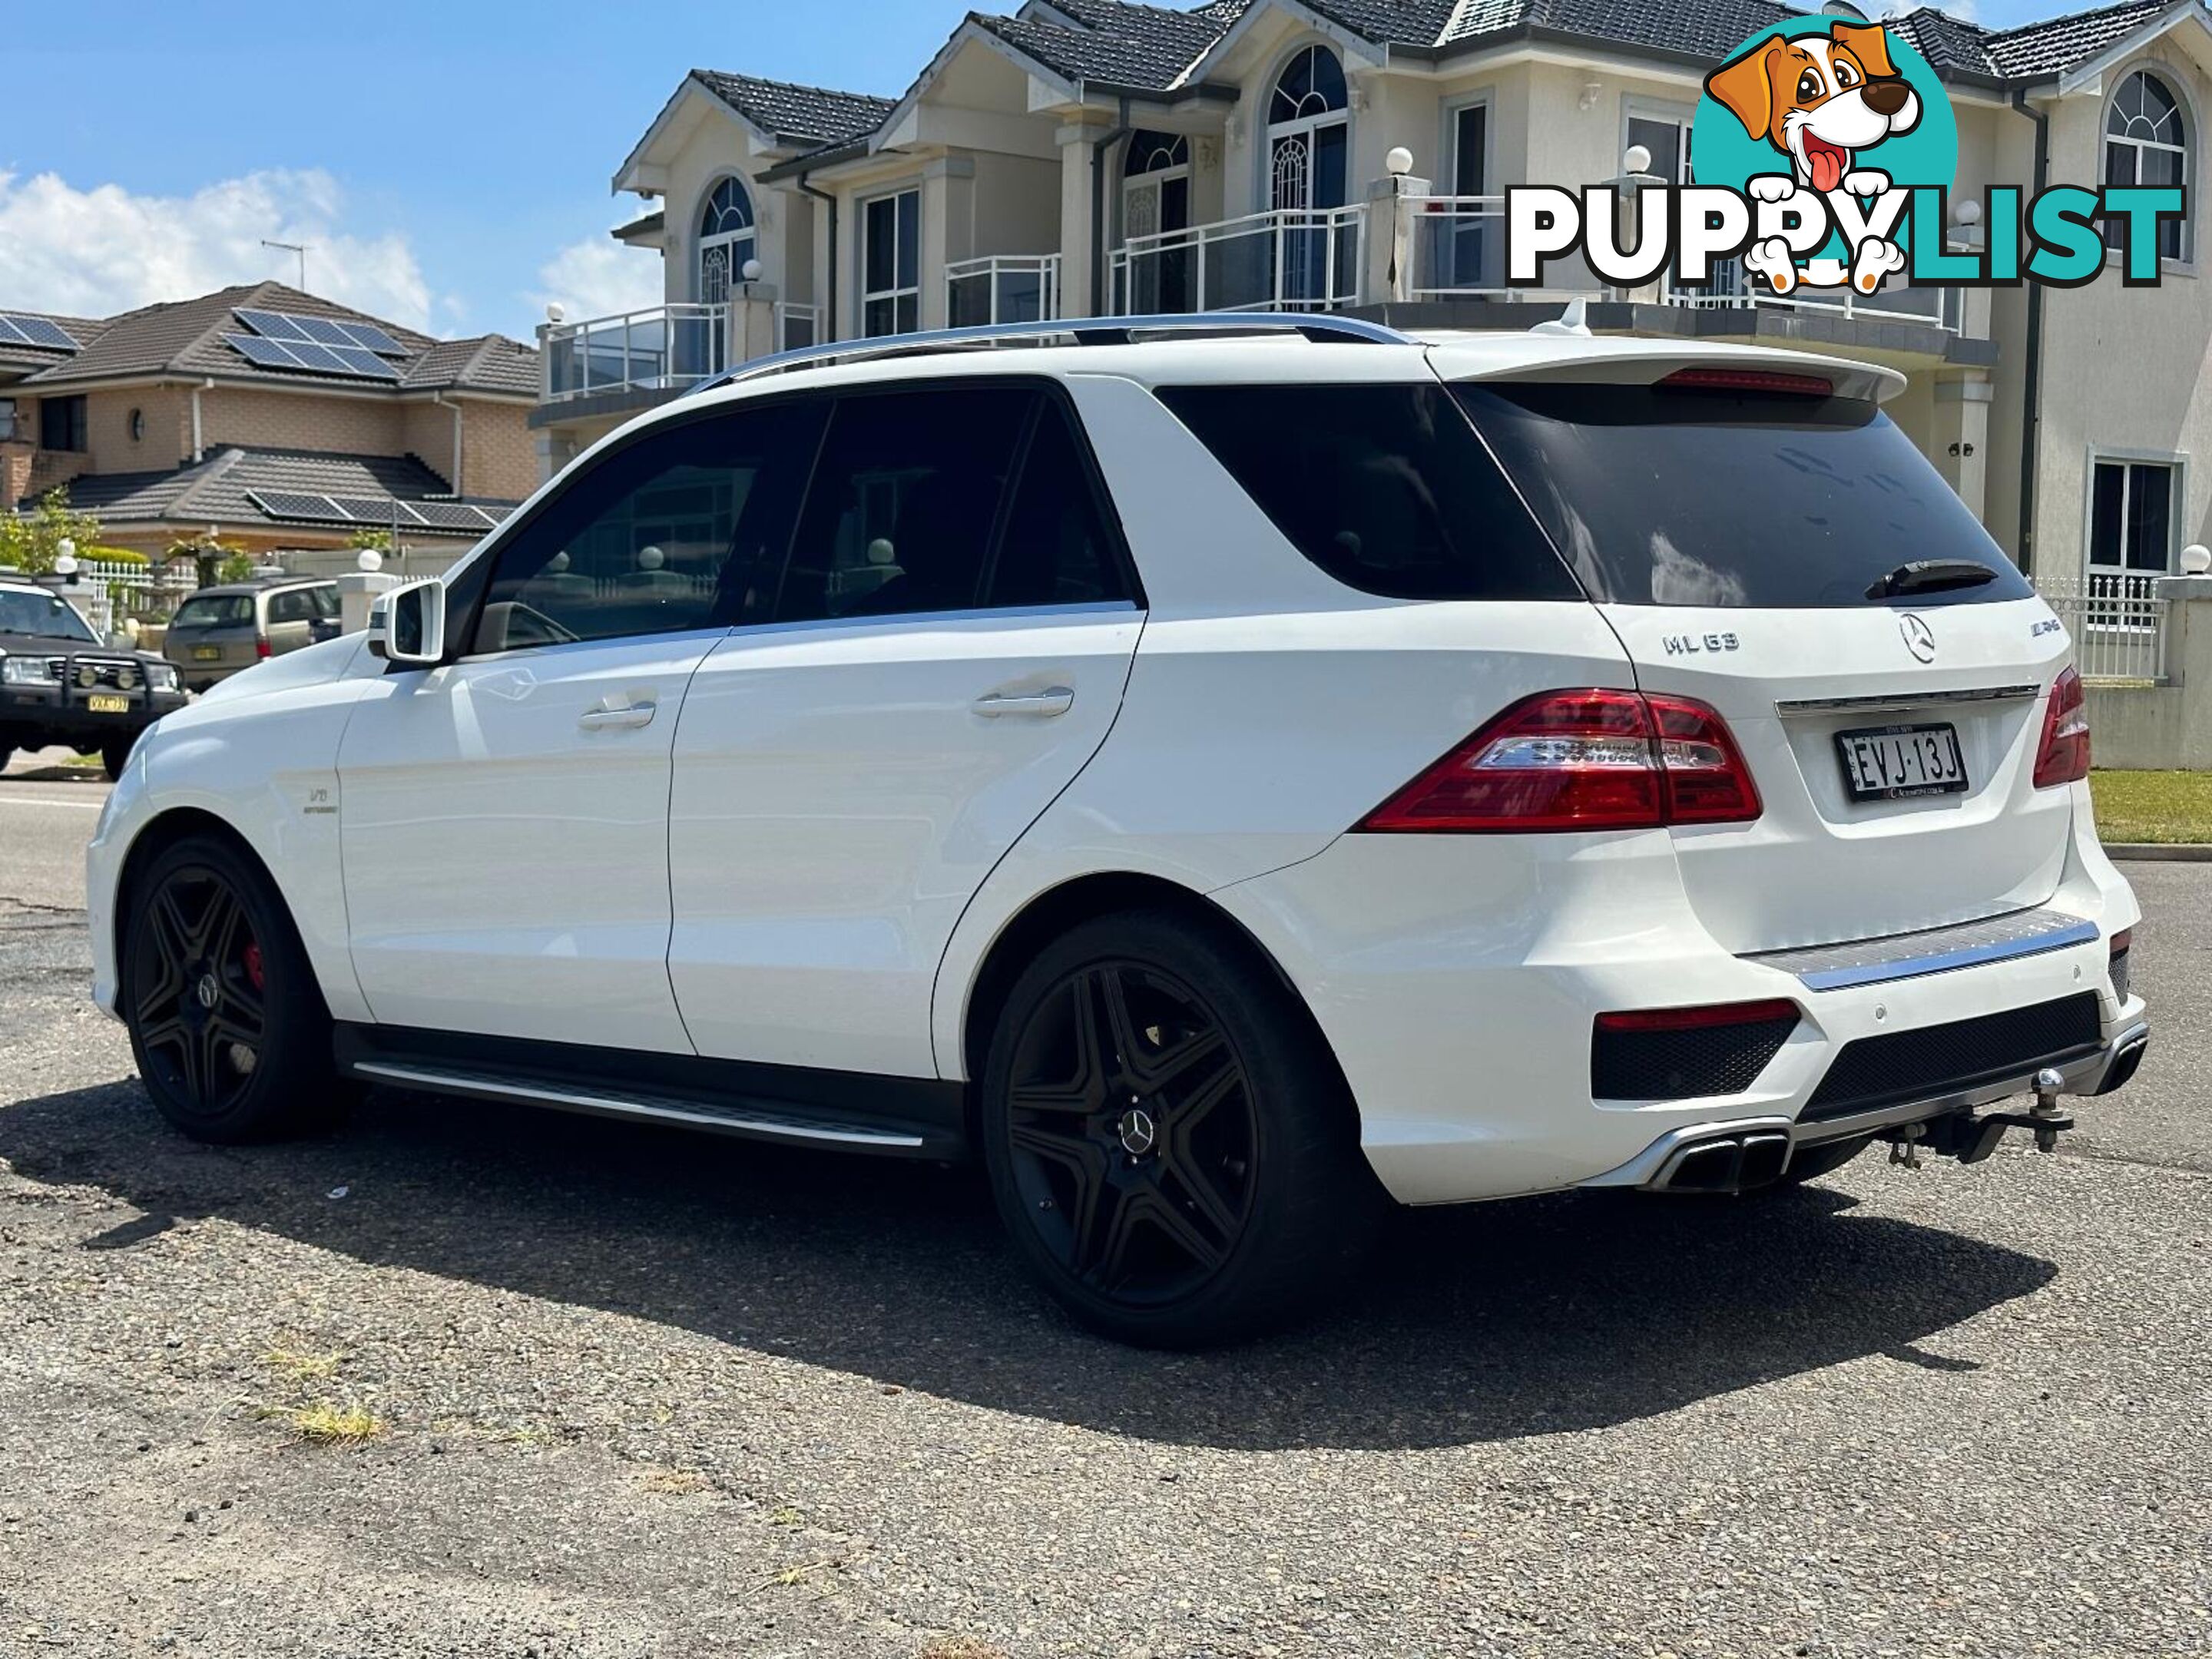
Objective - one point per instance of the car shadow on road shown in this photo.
(1478, 1323)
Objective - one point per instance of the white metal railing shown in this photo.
(2117, 621)
(1002, 288)
(797, 325)
(664, 348)
(1944, 307)
(107, 594)
(1289, 259)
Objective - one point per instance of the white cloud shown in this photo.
(599, 276)
(93, 253)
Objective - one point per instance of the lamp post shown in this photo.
(1635, 177)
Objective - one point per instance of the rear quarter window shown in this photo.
(1386, 488)
(1728, 498)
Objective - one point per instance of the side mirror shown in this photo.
(407, 626)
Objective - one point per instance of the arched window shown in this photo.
(2146, 143)
(1309, 151)
(726, 240)
(1311, 84)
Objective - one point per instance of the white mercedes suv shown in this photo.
(1222, 774)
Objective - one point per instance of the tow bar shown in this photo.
(1970, 1139)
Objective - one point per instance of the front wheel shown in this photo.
(227, 1022)
(1169, 1137)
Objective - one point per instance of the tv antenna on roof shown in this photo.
(300, 248)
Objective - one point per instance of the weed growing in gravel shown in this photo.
(298, 1367)
(785, 1515)
(324, 1425)
(675, 1483)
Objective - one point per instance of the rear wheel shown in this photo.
(227, 1023)
(1168, 1137)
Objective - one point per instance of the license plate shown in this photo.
(1897, 762)
(100, 703)
(207, 654)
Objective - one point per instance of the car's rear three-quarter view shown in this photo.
(1222, 775)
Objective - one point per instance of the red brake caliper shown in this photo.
(253, 963)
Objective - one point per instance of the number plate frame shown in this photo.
(1857, 792)
(107, 702)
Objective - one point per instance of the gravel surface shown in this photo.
(644, 1393)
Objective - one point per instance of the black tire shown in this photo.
(1196, 1179)
(115, 754)
(1811, 1161)
(227, 1025)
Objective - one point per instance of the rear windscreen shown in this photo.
(215, 610)
(1703, 497)
(1386, 488)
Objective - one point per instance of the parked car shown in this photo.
(219, 630)
(1225, 784)
(59, 685)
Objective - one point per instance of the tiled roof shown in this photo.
(185, 337)
(2059, 43)
(1111, 42)
(814, 115)
(216, 490)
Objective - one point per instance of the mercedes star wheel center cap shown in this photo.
(1137, 1132)
(208, 992)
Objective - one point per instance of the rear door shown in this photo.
(1792, 559)
(213, 634)
(951, 644)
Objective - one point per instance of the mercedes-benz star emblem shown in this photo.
(1137, 1132)
(208, 992)
(1919, 637)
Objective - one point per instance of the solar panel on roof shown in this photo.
(370, 509)
(375, 338)
(36, 331)
(324, 332)
(297, 504)
(320, 358)
(364, 362)
(272, 324)
(451, 515)
(270, 354)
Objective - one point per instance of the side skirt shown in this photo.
(851, 1111)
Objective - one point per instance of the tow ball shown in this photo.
(1970, 1139)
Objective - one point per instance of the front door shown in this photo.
(504, 816)
(954, 635)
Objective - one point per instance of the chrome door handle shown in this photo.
(1041, 705)
(611, 716)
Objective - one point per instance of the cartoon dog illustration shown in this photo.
(1820, 100)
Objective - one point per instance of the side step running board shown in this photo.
(736, 1119)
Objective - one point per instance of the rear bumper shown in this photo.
(1458, 980)
(2109, 1068)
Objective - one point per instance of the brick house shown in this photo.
(1094, 157)
(266, 417)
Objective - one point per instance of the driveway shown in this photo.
(646, 1394)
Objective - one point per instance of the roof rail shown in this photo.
(1083, 331)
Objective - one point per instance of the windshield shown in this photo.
(215, 610)
(1697, 497)
(43, 614)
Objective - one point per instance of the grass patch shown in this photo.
(785, 1515)
(324, 1425)
(294, 1366)
(2167, 807)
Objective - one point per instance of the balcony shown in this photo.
(1458, 252)
(1291, 259)
(1002, 288)
(667, 347)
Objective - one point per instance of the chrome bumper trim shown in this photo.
(1904, 702)
(1931, 951)
(2084, 1076)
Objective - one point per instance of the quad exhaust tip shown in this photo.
(1726, 1164)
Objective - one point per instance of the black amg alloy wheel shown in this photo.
(228, 1028)
(1169, 1137)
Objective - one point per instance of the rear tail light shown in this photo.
(261, 647)
(1703, 1018)
(2064, 756)
(1595, 759)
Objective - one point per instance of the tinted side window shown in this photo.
(292, 606)
(683, 528)
(1055, 549)
(905, 503)
(1386, 488)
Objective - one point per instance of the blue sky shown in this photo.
(450, 161)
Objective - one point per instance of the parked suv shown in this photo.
(59, 685)
(219, 630)
(1222, 782)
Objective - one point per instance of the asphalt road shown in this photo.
(646, 1393)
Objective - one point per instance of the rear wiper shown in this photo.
(1931, 576)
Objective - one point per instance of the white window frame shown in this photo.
(1309, 125)
(1634, 107)
(2177, 87)
(748, 239)
(863, 295)
(2177, 513)
(1446, 183)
